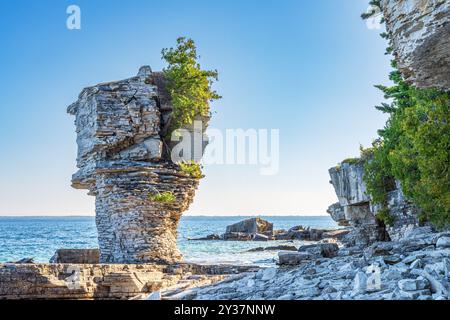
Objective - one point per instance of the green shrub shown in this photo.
(162, 197)
(377, 174)
(191, 168)
(413, 148)
(365, 153)
(385, 216)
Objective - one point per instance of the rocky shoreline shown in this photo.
(257, 229)
(416, 267)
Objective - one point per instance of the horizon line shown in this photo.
(186, 215)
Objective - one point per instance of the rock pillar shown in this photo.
(122, 163)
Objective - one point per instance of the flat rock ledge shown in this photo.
(104, 281)
(77, 256)
(416, 267)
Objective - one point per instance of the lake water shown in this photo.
(39, 237)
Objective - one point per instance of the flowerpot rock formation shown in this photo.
(122, 160)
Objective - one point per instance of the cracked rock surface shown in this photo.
(420, 32)
(414, 268)
(355, 208)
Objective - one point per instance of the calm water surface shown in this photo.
(39, 237)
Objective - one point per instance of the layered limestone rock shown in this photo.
(76, 256)
(104, 281)
(355, 208)
(347, 180)
(252, 227)
(354, 203)
(78, 281)
(420, 33)
(336, 211)
(404, 212)
(122, 160)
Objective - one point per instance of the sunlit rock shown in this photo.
(420, 33)
(122, 161)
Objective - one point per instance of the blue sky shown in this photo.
(304, 67)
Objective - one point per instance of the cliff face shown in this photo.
(420, 33)
(356, 209)
(121, 162)
(354, 203)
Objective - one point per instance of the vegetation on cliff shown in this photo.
(189, 85)
(190, 90)
(413, 148)
(162, 197)
(191, 168)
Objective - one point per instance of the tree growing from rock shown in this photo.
(189, 86)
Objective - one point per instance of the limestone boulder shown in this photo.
(293, 258)
(208, 237)
(338, 234)
(237, 236)
(282, 247)
(82, 256)
(336, 211)
(251, 226)
(326, 250)
(260, 237)
(443, 242)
